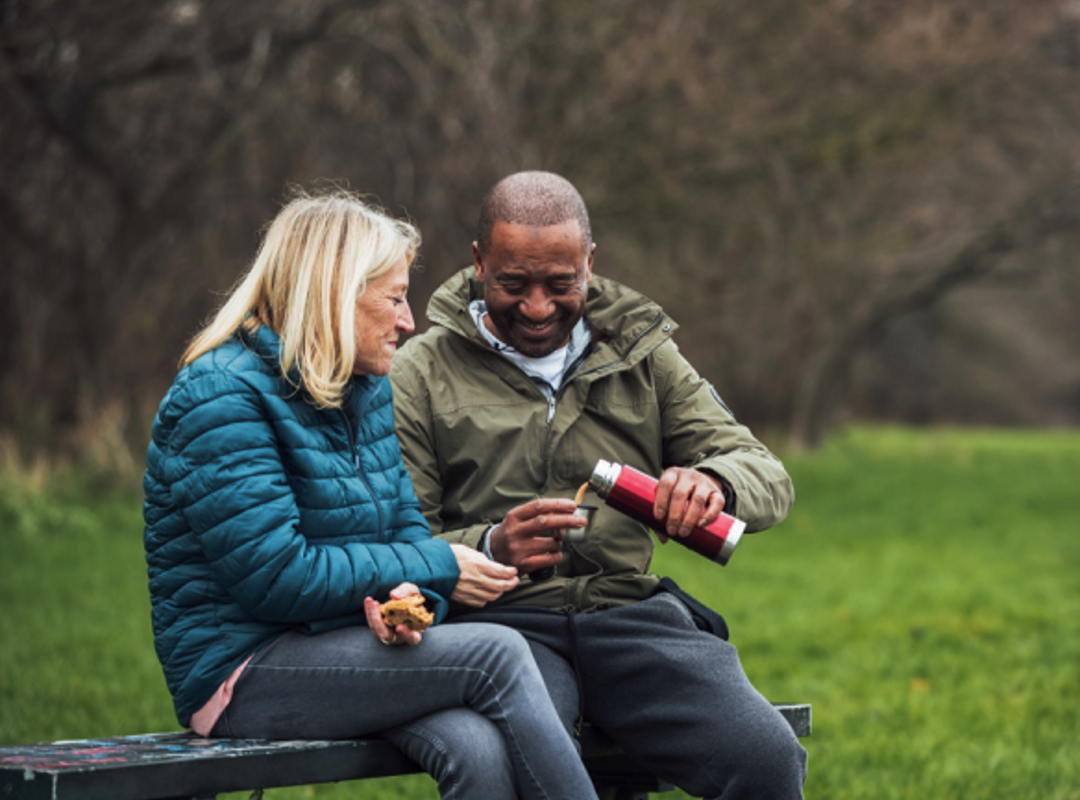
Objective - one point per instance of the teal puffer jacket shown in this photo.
(265, 514)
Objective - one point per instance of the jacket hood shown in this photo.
(616, 313)
(266, 344)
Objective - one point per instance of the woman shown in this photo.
(278, 511)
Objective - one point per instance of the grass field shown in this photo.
(924, 596)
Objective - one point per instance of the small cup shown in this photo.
(571, 535)
(579, 534)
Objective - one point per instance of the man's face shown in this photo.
(535, 284)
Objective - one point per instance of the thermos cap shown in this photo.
(604, 476)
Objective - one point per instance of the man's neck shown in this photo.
(537, 367)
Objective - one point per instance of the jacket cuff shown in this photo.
(731, 497)
(471, 536)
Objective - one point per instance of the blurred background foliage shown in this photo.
(856, 209)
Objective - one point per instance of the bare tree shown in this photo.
(792, 181)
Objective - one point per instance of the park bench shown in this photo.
(183, 766)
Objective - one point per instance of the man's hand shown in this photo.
(530, 535)
(688, 498)
(482, 580)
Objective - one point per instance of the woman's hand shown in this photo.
(482, 580)
(383, 632)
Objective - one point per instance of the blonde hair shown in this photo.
(314, 262)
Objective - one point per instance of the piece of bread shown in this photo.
(409, 611)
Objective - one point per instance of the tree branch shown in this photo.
(829, 373)
(64, 131)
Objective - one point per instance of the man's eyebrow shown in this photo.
(554, 271)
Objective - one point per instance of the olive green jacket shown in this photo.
(480, 438)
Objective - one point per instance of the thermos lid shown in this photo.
(604, 475)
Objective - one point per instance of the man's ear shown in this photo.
(477, 262)
(589, 263)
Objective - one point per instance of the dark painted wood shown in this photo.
(170, 766)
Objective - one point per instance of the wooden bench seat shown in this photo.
(175, 766)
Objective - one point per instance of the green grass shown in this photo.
(924, 596)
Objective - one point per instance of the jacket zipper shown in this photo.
(356, 461)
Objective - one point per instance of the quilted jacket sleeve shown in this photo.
(227, 478)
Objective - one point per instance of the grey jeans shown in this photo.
(672, 696)
(468, 704)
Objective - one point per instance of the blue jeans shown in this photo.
(468, 704)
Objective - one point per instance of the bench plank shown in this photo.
(165, 766)
(799, 717)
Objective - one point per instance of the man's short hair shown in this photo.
(532, 198)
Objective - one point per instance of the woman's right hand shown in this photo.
(482, 580)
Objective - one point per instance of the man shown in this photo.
(533, 370)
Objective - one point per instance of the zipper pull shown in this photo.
(551, 409)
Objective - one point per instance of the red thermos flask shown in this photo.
(633, 493)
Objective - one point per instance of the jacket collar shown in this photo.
(616, 314)
(266, 344)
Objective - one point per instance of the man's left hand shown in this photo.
(688, 498)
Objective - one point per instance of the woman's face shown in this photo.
(382, 315)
